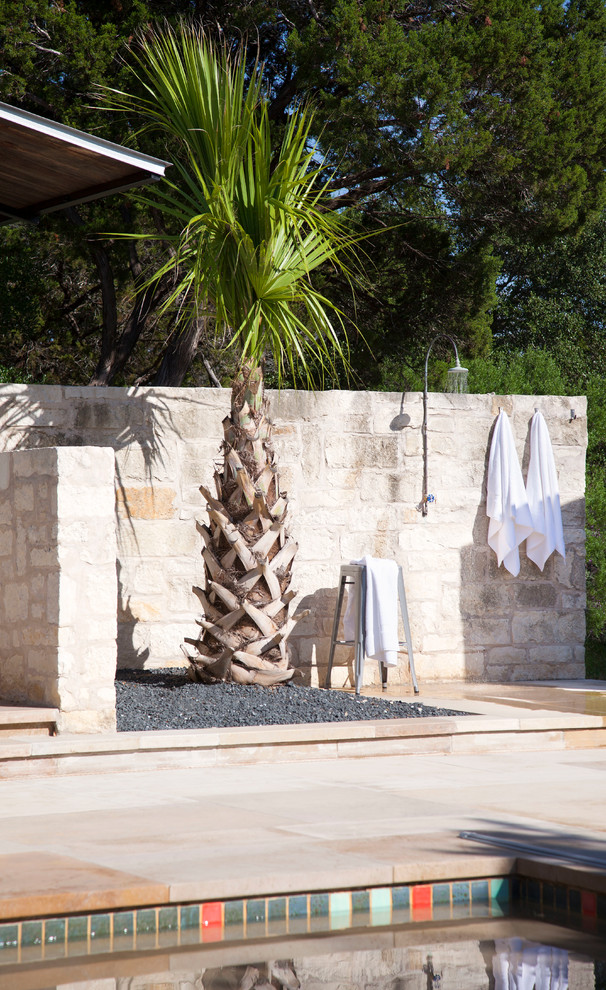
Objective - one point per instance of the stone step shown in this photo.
(17, 721)
(181, 749)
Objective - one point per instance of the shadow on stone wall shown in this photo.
(129, 653)
(310, 642)
(529, 627)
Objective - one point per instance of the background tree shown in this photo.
(474, 126)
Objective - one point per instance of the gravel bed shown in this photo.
(166, 699)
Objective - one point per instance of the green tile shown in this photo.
(31, 933)
(190, 915)
(380, 899)
(54, 930)
(340, 910)
(77, 928)
(276, 908)
(340, 902)
(360, 901)
(500, 890)
(146, 921)
(297, 906)
(124, 923)
(100, 925)
(318, 905)
(255, 912)
(380, 906)
(168, 919)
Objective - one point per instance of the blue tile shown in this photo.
(124, 923)
(479, 891)
(77, 928)
(168, 919)
(574, 901)
(31, 933)
(276, 908)
(146, 921)
(297, 906)
(100, 926)
(441, 893)
(54, 930)
(548, 896)
(360, 901)
(400, 897)
(534, 891)
(319, 905)
(460, 893)
(190, 915)
(255, 912)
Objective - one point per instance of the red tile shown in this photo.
(589, 904)
(421, 903)
(212, 921)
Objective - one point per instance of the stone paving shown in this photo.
(105, 840)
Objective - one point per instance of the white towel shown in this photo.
(506, 501)
(381, 639)
(543, 496)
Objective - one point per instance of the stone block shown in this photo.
(486, 598)
(539, 594)
(360, 451)
(16, 602)
(6, 541)
(156, 538)
(150, 502)
(505, 657)
(488, 631)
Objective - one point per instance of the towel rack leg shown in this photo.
(404, 611)
(335, 629)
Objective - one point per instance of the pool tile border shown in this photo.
(32, 940)
(249, 918)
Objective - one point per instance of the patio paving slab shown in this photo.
(97, 842)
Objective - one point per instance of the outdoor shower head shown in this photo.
(456, 380)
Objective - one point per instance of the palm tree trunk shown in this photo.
(248, 553)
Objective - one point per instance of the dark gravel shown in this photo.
(166, 699)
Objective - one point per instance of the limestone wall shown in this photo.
(355, 483)
(58, 583)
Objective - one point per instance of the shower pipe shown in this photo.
(424, 427)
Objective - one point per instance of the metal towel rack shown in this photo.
(355, 574)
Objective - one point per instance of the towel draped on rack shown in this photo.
(381, 636)
(543, 496)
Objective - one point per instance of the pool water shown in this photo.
(496, 933)
(390, 960)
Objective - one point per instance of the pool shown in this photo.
(461, 934)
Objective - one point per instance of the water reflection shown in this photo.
(500, 964)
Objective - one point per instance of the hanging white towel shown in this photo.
(506, 501)
(381, 617)
(543, 496)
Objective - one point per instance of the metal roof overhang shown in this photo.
(46, 166)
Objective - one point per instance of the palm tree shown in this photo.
(253, 224)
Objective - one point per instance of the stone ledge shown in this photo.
(81, 753)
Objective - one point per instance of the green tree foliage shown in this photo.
(466, 128)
